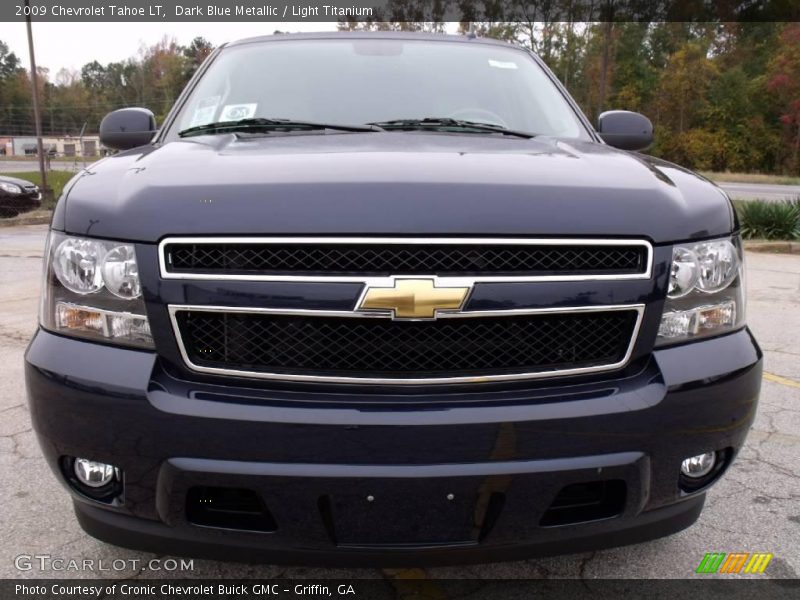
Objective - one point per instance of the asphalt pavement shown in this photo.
(755, 508)
(763, 191)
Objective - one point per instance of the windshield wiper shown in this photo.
(270, 125)
(447, 123)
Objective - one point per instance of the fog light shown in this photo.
(93, 474)
(699, 466)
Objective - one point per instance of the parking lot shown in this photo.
(756, 508)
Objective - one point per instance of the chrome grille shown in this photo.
(442, 257)
(305, 345)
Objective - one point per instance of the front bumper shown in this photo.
(20, 203)
(454, 476)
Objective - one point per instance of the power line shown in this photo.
(94, 105)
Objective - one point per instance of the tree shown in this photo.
(683, 87)
(722, 95)
(9, 63)
(196, 52)
(784, 82)
(14, 115)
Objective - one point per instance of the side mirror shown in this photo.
(127, 128)
(625, 129)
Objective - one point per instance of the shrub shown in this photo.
(760, 219)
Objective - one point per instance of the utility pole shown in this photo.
(36, 116)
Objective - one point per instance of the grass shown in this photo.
(728, 177)
(56, 179)
(769, 220)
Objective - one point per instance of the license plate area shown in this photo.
(399, 512)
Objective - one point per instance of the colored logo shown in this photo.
(413, 298)
(736, 562)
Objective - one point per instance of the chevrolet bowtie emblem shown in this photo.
(414, 298)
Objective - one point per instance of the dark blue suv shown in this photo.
(388, 299)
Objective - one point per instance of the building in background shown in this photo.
(70, 146)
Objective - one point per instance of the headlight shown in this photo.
(10, 188)
(76, 263)
(121, 273)
(718, 265)
(683, 273)
(706, 291)
(91, 289)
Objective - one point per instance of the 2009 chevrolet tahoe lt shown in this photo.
(388, 299)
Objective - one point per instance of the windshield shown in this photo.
(356, 81)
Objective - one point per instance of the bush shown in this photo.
(764, 220)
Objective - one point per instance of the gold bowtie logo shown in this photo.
(414, 298)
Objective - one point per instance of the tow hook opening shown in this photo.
(228, 508)
(586, 501)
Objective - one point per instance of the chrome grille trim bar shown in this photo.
(422, 241)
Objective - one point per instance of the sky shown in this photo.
(71, 45)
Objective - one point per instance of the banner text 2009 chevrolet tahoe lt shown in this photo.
(388, 299)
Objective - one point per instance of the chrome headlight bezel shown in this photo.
(706, 293)
(79, 301)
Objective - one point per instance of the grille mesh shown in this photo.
(376, 347)
(394, 259)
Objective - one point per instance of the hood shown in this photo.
(17, 181)
(393, 183)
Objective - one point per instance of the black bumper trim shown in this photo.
(153, 536)
(404, 471)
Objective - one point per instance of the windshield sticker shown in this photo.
(234, 112)
(205, 111)
(502, 64)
